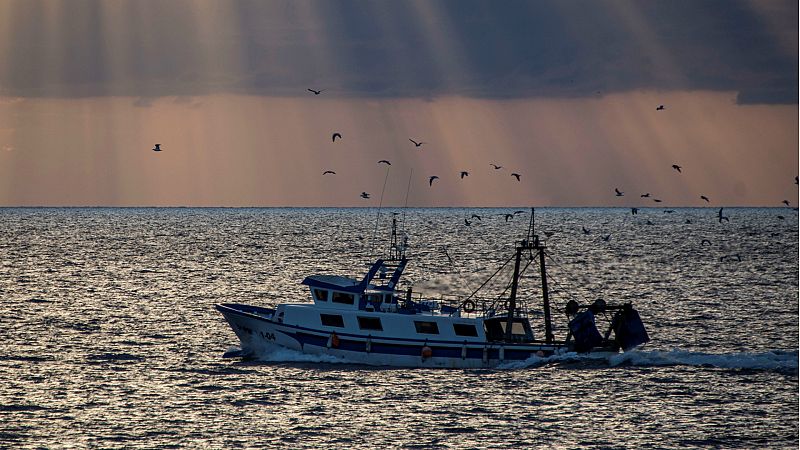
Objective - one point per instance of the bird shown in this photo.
(464, 174)
(796, 181)
(335, 135)
(383, 161)
(509, 216)
(669, 211)
(416, 144)
(364, 195)
(606, 238)
(721, 217)
(648, 222)
(475, 216)
(781, 217)
(315, 91)
(705, 241)
(785, 202)
(634, 211)
(688, 221)
(496, 167)
(677, 167)
(467, 222)
(660, 108)
(430, 180)
(516, 175)
(329, 172)
(585, 231)
(619, 194)
(157, 148)
(647, 195)
(705, 198)
(519, 211)
(657, 200)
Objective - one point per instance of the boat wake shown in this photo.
(776, 360)
(286, 355)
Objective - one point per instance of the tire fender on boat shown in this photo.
(485, 354)
(369, 344)
(464, 350)
(502, 353)
(427, 352)
(333, 341)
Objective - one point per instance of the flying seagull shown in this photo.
(585, 231)
(157, 148)
(647, 195)
(416, 144)
(657, 200)
(796, 181)
(383, 161)
(669, 211)
(705, 198)
(467, 222)
(364, 195)
(619, 194)
(677, 167)
(464, 174)
(721, 217)
(315, 91)
(516, 175)
(660, 108)
(634, 211)
(475, 216)
(430, 180)
(785, 202)
(496, 167)
(335, 135)
(509, 216)
(519, 211)
(606, 238)
(329, 172)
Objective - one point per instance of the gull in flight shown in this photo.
(157, 148)
(516, 175)
(329, 172)
(335, 135)
(315, 91)
(464, 174)
(417, 144)
(364, 195)
(383, 161)
(619, 194)
(431, 179)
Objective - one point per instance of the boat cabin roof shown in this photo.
(334, 282)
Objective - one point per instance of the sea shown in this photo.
(109, 337)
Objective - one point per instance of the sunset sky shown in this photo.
(562, 92)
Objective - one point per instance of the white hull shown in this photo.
(259, 335)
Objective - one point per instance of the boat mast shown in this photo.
(531, 242)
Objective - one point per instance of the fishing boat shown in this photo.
(374, 321)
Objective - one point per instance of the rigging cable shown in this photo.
(378, 217)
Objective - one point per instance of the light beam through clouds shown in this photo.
(87, 88)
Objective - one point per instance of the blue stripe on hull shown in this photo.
(415, 349)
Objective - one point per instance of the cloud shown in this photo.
(471, 48)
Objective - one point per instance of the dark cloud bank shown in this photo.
(491, 49)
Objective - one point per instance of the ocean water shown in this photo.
(109, 337)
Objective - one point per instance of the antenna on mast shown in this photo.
(378, 217)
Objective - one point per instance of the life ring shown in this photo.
(427, 352)
(468, 306)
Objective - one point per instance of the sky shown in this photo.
(562, 92)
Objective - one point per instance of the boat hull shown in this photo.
(260, 333)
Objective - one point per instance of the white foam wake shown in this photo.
(282, 354)
(779, 360)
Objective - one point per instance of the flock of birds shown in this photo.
(508, 216)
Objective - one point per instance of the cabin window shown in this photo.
(321, 295)
(463, 329)
(331, 320)
(370, 323)
(341, 297)
(426, 327)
